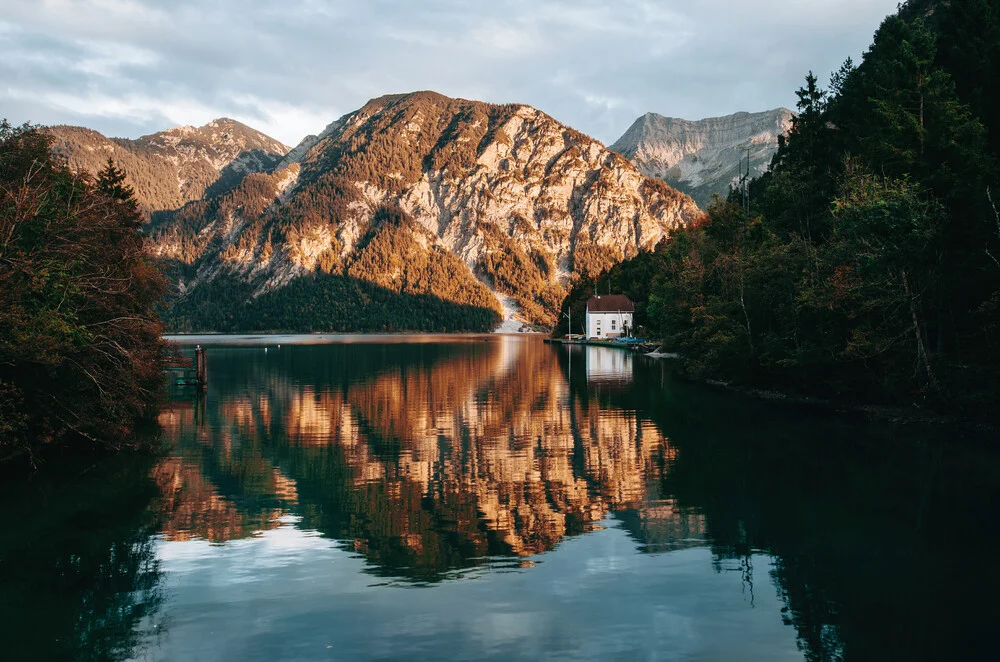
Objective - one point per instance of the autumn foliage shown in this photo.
(864, 264)
(80, 343)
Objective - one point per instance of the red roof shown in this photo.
(610, 303)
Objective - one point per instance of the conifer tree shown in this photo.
(79, 339)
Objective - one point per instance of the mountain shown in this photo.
(174, 167)
(416, 212)
(703, 158)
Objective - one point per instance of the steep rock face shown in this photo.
(174, 167)
(525, 203)
(703, 158)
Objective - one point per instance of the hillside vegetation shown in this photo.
(867, 264)
(171, 168)
(392, 283)
(481, 207)
(79, 340)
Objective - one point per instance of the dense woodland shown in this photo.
(79, 338)
(322, 303)
(866, 263)
(391, 283)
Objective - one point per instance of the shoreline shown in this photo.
(891, 414)
(883, 413)
(320, 338)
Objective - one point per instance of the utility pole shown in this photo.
(745, 182)
(748, 179)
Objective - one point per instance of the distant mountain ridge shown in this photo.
(496, 208)
(171, 168)
(702, 157)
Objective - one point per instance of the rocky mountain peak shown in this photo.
(219, 140)
(702, 157)
(170, 168)
(525, 204)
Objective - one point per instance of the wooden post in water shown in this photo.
(199, 408)
(201, 367)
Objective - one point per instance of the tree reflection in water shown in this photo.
(881, 534)
(79, 578)
(435, 460)
(425, 459)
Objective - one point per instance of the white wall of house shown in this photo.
(607, 325)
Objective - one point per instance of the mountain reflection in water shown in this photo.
(496, 497)
(423, 460)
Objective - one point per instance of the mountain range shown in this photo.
(415, 212)
(704, 157)
(171, 168)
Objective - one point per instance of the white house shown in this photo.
(609, 316)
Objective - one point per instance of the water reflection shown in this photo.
(560, 502)
(423, 459)
(79, 575)
(432, 461)
(607, 365)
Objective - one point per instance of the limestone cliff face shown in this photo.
(524, 202)
(703, 158)
(510, 170)
(171, 168)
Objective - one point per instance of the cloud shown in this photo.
(128, 66)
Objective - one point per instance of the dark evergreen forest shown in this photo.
(866, 263)
(322, 303)
(80, 343)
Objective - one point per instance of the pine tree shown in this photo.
(111, 181)
(79, 339)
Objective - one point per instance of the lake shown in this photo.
(495, 497)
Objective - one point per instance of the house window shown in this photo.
(612, 325)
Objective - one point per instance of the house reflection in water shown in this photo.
(424, 459)
(608, 365)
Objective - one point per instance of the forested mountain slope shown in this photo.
(867, 265)
(484, 209)
(171, 168)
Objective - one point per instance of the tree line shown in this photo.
(866, 262)
(80, 342)
(390, 283)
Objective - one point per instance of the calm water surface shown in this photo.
(500, 498)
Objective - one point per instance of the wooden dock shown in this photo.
(643, 347)
(188, 372)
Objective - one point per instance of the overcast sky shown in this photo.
(288, 68)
